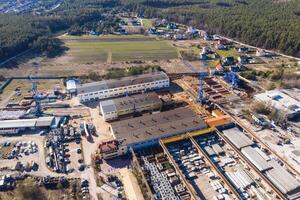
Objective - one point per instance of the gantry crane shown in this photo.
(202, 74)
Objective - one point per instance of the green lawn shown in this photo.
(147, 23)
(228, 53)
(121, 48)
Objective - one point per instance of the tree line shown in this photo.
(264, 23)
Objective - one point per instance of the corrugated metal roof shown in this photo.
(256, 159)
(282, 179)
(26, 123)
(108, 106)
(237, 137)
(91, 87)
(130, 102)
(44, 121)
(20, 123)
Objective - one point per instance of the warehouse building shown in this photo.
(113, 108)
(282, 102)
(237, 137)
(124, 86)
(256, 159)
(16, 126)
(147, 130)
(284, 181)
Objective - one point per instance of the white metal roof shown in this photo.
(237, 137)
(279, 100)
(21, 123)
(26, 123)
(282, 179)
(256, 159)
(71, 85)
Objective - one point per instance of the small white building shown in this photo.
(124, 86)
(71, 86)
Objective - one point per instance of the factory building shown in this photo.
(147, 130)
(282, 102)
(16, 126)
(124, 86)
(237, 137)
(113, 108)
(284, 181)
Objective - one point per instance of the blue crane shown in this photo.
(202, 75)
(33, 79)
(232, 79)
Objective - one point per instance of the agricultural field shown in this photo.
(118, 49)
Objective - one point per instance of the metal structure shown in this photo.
(202, 75)
(201, 96)
(33, 79)
(232, 78)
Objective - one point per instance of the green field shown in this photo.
(121, 48)
(147, 23)
(228, 53)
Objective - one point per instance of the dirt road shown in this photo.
(131, 186)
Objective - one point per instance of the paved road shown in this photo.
(89, 149)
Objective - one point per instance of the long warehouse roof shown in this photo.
(255, 158)
(122, 82)
(283, 180)
(237, 137)
(26, 123)
(129, 102)
(157, 125)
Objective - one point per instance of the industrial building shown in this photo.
(113, 108)
(111, 149)
(147, 130)
(281, 101)
(237, 137)
(284, 181)
(255, 158)
(16, 126)
(71, 86)
(124, 86)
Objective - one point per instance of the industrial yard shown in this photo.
(204, 131)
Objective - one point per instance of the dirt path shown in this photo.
(131, 186)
